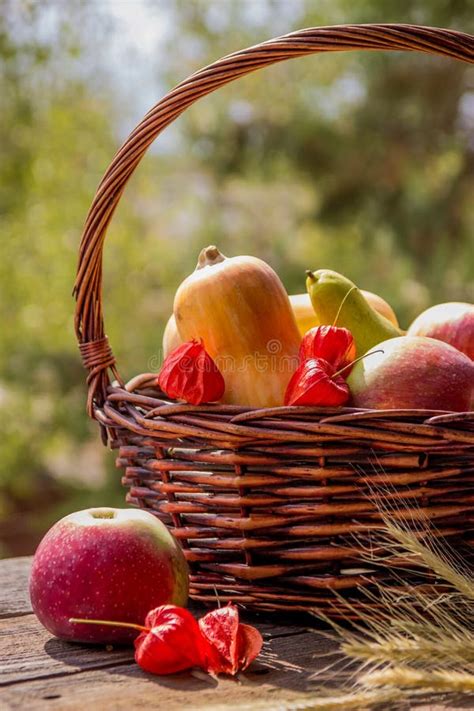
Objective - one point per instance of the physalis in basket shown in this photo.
(190, 374)
(326, 353)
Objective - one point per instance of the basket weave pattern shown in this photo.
(272, 507)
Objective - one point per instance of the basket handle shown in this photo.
(89, 325)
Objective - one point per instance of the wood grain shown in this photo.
(28, 651)
(39, 672)
(14, 597)
(286, 665)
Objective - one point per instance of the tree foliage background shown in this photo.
(360, 162)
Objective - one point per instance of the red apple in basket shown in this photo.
(452, 323)
(413, 372)
(105, 564)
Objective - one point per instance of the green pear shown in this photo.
(338, 302)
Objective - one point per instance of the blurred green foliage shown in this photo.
(360, 162)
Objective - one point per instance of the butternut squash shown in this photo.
(240, 309)
(171, 337)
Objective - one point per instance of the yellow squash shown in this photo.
(304, 312)
(240, 309)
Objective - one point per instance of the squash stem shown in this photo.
(209, 256)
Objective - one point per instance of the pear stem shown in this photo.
(342, 304)
(349, 365)
(109, 623)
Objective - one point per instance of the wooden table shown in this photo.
(38, 671)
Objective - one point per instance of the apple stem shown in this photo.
(109, 623)
(349, 365)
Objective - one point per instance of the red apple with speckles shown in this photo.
(413, 372)
(105, 564)
(452, 323)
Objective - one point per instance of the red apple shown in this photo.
(105, 564)
(413, 372)
(452, 323)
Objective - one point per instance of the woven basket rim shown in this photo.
(143, 408)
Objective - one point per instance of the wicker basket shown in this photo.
(270, 506)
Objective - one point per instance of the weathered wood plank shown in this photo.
(283, 672)
(14, 597)
(28, 651)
